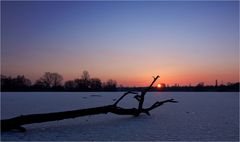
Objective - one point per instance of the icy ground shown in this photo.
(197, 117)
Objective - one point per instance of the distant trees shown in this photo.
(96, 84)
(86, 83)
(110, 85)
(49, 80)
(19, 83)
(54, 82)
(200, 84)
(70, 85)
(85, 76)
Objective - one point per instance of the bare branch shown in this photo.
(143, 93)
(157, 104)
(137, 97)
(125, 94)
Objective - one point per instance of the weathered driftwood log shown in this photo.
(17, 122)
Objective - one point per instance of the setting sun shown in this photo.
(159, 85)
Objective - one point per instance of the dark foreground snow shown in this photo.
(197, 117)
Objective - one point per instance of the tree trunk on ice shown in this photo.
(17, 122)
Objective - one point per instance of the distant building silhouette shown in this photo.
(216, 84)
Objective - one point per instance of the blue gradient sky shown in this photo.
(183, 42)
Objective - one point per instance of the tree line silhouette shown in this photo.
(54, 82)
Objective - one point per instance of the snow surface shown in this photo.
(197, 117)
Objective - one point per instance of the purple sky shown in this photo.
(183, 42)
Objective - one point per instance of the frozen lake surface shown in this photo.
(197, 117)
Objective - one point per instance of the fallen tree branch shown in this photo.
(143, 93)
(157, 104)
(125, 94)
(17, 122)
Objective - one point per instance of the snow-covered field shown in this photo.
(197, 117)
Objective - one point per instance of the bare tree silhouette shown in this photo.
(110, 85)
(50, 80)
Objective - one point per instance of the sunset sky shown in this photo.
(183, 42)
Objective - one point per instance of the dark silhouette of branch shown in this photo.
(157, 104)
(143, 93)
(125, 94)
(17, 122)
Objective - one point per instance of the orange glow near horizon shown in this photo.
(101, 40)
(143, 79)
